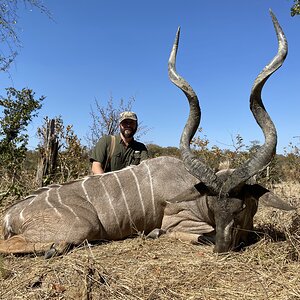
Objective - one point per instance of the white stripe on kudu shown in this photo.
(84, 189)
(111, 206)
(47, 198)
(151, 190)
(57, 212)
(65, 205)
(140, 196)
(21, 215)
(124, 198)
(33, 198)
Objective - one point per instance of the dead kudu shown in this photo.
(184, 199)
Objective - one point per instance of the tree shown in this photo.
(9, 38)
(48, 151)
(291, 167)
(156, 151)
(295, 10)
(19, 108)
(105, 120)
(62, 157)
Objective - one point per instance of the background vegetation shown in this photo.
(295, 10)
(61, 156)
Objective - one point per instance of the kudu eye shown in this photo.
(243, 207)
(240, 209)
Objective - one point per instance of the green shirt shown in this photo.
(122, 157)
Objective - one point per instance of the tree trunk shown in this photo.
(48, 155)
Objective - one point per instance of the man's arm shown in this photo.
(144, 154)
(97, 168)
(98, 156)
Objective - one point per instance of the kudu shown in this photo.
(186, 199)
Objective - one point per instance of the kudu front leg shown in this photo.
(155, 233)
(192, 238)
(17, 244)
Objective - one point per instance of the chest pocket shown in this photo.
(118, 158)
(136, 157)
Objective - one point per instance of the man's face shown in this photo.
(128, 128)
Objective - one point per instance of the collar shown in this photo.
(120, 140)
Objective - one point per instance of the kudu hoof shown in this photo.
(155, 233)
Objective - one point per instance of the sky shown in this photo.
(94, 49)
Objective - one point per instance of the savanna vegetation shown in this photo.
(295, 10)
(9, 28)
(61, 156)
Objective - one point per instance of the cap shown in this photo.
(127, 115)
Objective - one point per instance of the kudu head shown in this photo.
(226, 194)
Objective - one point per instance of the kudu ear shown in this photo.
(268, 198)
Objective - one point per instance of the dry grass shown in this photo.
(164, 269)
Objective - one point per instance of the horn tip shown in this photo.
(273, 16)
(178, 32)
(176, 42)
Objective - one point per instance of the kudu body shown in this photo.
(185, 199)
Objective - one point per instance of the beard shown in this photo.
(128, 132)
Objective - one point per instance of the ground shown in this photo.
(166, 269)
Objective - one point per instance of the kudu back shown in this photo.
(183, 198)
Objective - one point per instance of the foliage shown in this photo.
(156, 151)
(295, 10)
(283, 168)
(72, 159)
(48, 151)
(105, 120)
(291, 167)
(18, 166)
(19, 108)
(8, 28)
(218, 158)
